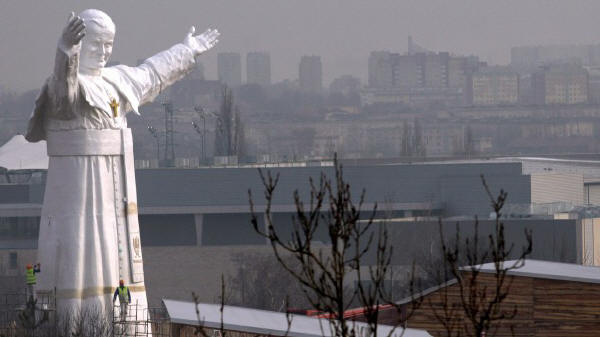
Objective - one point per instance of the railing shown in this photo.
(140, 321)
(39, 318)
(22, 316)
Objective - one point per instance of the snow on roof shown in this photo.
(266, 322)
(19, 154)
(551, 270)
(497, 160)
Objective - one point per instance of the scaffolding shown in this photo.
(20, 318)
(140, 321)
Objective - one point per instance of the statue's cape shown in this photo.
(35, 128)
(121, 77)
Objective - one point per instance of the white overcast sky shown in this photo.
(342, 32)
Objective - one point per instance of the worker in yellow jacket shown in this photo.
(30, 278)
(124, 296)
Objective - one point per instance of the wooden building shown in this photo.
(551, 299)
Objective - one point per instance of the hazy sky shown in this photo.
(342, 32)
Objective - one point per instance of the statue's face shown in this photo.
(96, 48)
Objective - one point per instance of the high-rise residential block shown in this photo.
(495, 86)
(530, 57)
(406, 72)
(381, 69)
(258, 68)
(310, 74)
(229, 68)
(560, 84)
(420, 70)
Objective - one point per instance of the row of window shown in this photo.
(19, 228)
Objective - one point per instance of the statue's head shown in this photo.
(97, 44)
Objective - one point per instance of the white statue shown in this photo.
(89, 232)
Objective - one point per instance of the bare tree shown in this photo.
(229, 136)
(261, 282)
(89, 322)
(480, 307)
(412, 144)
(418, 145)
(201, 330)
(325, 271)
(239, 134)
(407, 149)
(469, 142)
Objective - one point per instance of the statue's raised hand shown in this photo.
(73, 32)
(202, 42)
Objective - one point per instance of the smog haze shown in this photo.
(342, 32)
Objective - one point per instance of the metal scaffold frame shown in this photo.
(140, 321)
(18, 318)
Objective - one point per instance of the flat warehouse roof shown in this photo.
(266, 322)
(550, 270)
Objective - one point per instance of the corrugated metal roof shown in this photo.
(551, 270)
(265, 322)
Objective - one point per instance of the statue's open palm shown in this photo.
(73, 32)
(202, 42)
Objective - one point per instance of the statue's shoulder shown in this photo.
(120, 74)
(113, 73)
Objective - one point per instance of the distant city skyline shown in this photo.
(342, 32)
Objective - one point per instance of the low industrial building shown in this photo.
(551, 299)
(195, 222)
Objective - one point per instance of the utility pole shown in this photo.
(156, 136)
(169, 159)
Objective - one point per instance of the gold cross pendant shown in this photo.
(114, 107)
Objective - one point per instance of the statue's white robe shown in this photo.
(77, 246)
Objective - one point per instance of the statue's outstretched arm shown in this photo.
(63, 85)
(165, 68)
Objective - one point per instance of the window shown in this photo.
(19, 228)
(12, 260)
(167, 230)
(230, 229)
